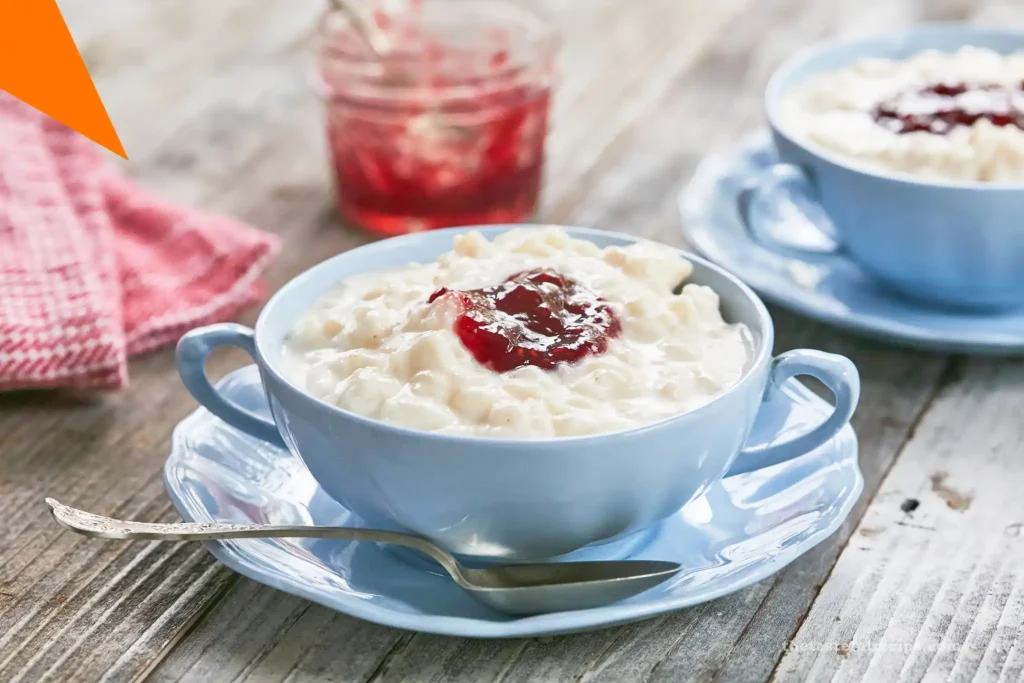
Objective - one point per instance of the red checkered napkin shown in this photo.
(94, 269)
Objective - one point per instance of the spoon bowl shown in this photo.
(519, 589)
(525, 589)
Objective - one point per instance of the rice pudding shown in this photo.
(532, 335)
(943, 115)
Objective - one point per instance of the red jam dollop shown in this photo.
(939, 108)
(538, 317)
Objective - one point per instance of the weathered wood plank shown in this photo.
(933, 594)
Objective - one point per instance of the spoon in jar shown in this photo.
(520, 589)
(374, 36)
(431, 125)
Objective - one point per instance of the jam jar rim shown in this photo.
(538, 70)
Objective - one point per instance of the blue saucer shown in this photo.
(742, 531)
(833, 289)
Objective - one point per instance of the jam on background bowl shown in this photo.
(513, 499)
(945, 242)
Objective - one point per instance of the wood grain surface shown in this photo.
(212, 100)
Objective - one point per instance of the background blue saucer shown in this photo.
(834, 289)
(742, 531)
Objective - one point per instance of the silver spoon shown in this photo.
(373, 35)
(520, 589)
(433, 124)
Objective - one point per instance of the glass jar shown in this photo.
(448, 129)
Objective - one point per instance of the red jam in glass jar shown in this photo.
(448, 128)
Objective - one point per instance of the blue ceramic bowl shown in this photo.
(958, 243)
(506, 498)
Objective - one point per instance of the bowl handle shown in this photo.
(773, 197)
(838, 373)
(193, 350)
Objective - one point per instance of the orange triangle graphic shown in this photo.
(41, 66)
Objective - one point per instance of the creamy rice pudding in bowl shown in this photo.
(517, 392)
(510, 338)
(953, 116)
(907, 152)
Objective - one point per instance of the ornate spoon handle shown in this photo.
(98, 526)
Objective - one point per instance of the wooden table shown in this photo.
(212, 102)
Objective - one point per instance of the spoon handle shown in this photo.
(98, 526)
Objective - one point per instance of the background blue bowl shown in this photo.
(953, 242)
